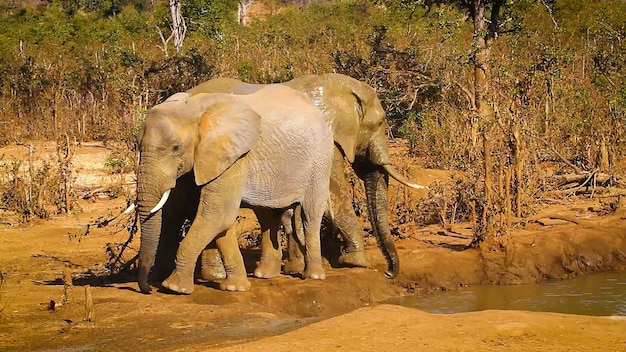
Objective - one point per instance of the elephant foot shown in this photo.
(212, 267)
(315, 272)
(235, 284)
(212, 272)
(294, 266)
(178, 283)
(267, 269)
(358, 259)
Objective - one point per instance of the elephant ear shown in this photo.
(346, 114)
(227, 130)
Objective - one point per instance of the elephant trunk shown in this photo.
(150, 234)
(375, 175)
(376, 184)
(151, 197)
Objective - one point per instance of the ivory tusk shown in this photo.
(161, 202)
(129, 209)
(392, 172)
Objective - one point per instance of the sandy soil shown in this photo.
(343, 312)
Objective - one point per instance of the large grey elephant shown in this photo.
(358, 126)
(270, 150)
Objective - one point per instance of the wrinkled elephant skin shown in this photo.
(358, 126)
(271, 150)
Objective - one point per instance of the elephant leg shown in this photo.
(181, 280)
(271, 251)
(181, 206)
(294, 232)
(236, 276)
(312, 222)
(216, 214)
(346, 220)
(211, 264)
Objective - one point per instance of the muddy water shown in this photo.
(600, 294)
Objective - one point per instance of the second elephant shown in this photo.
(358, 126)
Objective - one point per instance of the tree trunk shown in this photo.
(179, 29)
(242, 11)
(481, 57)
(484, 115)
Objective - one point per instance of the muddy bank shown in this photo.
(394, 328)
(33, 258)
(287, 313)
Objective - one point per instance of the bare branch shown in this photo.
(576, 168)
(164, 41)
(469, 95)
(556, 25)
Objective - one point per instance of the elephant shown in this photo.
(270, 150)
(358, 127)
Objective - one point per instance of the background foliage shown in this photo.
(90, 69)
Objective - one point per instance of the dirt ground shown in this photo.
(344, 312)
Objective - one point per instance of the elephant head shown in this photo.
(204, 134)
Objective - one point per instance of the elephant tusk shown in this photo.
(129, 209)
(161, 202)
(392, 172)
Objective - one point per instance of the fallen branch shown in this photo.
(603, 192)
(618, 215)
(584, 178)
(569, 218)
(126, 220)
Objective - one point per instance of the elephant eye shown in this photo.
(176, 148)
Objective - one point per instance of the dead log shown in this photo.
(603, 192)
(598, 178)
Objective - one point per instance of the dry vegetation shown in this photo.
(81, 71)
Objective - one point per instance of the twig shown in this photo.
(451, 233)
(556, 25)
(470, 97)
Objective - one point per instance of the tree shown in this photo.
(484, 35)
(179, 29)
(242, 11)
(485, 15)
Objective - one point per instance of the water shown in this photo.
(599, 294)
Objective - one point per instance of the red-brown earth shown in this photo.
(343, 312)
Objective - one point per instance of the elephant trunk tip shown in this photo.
(144, 286)
(145, 291)
(392, 273)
